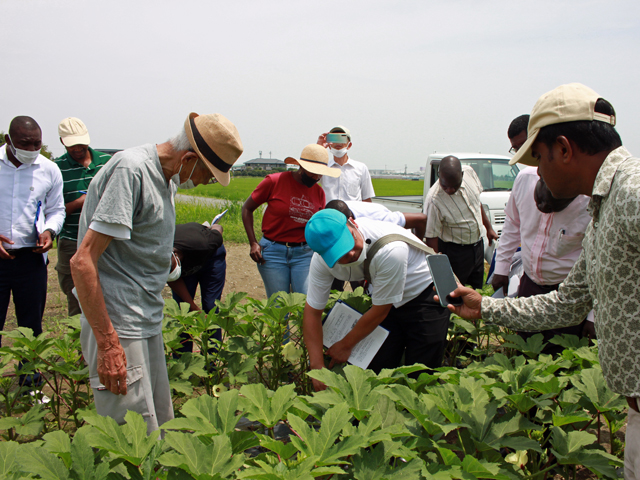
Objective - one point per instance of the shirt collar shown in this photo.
(4, 157)
(332, 162)
(607, 172)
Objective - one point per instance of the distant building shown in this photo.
(264, 164)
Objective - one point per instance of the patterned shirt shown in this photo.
(456, 218)
(76, 183)
(605, 278)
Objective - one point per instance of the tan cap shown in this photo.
(216, 141)
(314, 158)
(341, 129)
(567, 103)
(73, 131)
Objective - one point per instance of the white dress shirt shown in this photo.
(21, 189)
(551, 242)
(354, 182)
(375, 211)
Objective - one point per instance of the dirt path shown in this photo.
(242, 276)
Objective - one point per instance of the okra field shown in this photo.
(245, 408)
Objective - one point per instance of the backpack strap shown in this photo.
(392, 237)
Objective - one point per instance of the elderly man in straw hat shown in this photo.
(292, 197)
(573, 142)
(125, 241)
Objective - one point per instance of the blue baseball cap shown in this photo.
(328, 235)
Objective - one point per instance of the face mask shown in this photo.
(189, 183)
(363, 253)
(175, 275)
(25, 157)
(338, 153)
(308, 181)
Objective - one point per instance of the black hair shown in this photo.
(342, 207)
(591, 137)
(518, 125)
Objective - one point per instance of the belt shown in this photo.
(19, 251)
(286, 244)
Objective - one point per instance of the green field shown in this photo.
(241, 187)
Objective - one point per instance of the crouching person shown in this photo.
(402, 291)
(125, 241)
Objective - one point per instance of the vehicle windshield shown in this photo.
(495, 175)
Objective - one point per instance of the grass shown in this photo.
(231, 222)
(241, 187)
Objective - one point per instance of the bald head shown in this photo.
(23, 122)
(450, 174)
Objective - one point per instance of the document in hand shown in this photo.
(341, 319)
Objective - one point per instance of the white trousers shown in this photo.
(632, 446)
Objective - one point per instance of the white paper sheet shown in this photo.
(339, 322)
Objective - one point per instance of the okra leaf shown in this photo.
(8, 458)
(38, 461)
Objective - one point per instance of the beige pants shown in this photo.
(66, 250)
(632, 446)
(148, 391)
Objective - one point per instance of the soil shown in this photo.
(242, 276)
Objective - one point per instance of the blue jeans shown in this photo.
(285, 269)
(211, 278)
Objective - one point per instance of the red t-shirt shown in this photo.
(289, 206)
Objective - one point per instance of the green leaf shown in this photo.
(38, 461)
(196, 458)
(8, 458)
(567, 444)
(591, 382)
(266, 406)
(58, 442)
(207, 415)
(284, 450)
(83, 461)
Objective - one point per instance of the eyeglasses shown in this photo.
(514, 150)
(212, 180)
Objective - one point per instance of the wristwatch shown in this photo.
(52, 232)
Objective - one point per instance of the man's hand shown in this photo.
(256, 253)
(45, 242)
(339, 353)
(491, 235)
(500, 281)
(217, 228)
(4, 255)
(589, 330)
(471, 302)
(112, 367)
(318, 386)
(322, 140)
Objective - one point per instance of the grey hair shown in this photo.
(180, 142)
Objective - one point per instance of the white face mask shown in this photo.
(25, 157)
(189, 183)
(363, 253)
(175, 275)
(338, 153)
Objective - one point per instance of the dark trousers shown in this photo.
(528, 288)
(418, 329)
(67, 249)
(24, 277)
(467, 261)
(211, 278)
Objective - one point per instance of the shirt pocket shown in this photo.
(562, 244)
(353, 189)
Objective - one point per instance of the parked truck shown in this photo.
(494, 172)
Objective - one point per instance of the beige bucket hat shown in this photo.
(73, 131)
(216, 141)
(314, 158)
(567, 103)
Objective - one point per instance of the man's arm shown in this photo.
(180, 289)
(366, 186)
(75, 205)
(510, 239)
(491, 234)
(112, 361)
(417, 222)
(433, 243)
(312, 335)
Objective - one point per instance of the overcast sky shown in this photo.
(407, 77)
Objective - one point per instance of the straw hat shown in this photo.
(216, 141)
(314, 158)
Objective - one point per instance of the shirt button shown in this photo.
(595, 224)
(595, 302)
(593, 262)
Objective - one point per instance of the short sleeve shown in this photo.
(434, 221)
(366, 187)
(119, 199)
(389, 272)
(263, 191)
(320, 280)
